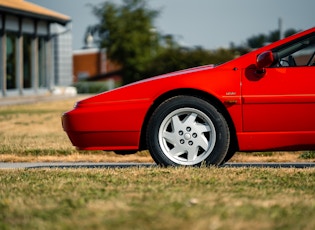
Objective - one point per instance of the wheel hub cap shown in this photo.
(187, 136)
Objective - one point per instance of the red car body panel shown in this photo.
(274, 111)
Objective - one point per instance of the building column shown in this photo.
(3, 57)
(19, 63)
(3, 64)
(34, 58)
(48, 64)
(19, 59)
(49, 60)
(34, 64)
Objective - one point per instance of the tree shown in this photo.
(290, 32)
(127, 32)
(178, 58)
(256, 41)
(273, 36)
(260, 40)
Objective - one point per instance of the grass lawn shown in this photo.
(158, 198)
(140, 198)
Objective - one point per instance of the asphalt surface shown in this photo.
(67, 165)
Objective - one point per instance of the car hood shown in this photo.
(144, 88)
(181, 72)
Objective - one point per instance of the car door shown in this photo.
(282, 99)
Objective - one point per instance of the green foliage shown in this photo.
(126, 31)
(290, 32)
(85, 87)
(308, 155)
(256, 41)
(179, 58)
(141, 49)
(260, 40)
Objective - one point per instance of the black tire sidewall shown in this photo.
(163, 110)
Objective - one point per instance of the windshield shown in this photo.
(297, 53)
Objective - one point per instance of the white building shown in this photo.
(35, 49)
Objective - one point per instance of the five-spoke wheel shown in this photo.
(186, 130)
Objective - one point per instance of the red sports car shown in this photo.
(262, 101)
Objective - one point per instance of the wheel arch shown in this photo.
(195, 93)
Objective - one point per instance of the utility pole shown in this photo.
(280, 28)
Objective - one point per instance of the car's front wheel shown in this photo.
(188, 131)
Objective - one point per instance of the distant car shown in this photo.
(262, 101)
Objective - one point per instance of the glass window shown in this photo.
(27, 51)
(298, 53)
(11, 60)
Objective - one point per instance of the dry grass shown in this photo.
(270, 157)
(143, 157)
(33, 133)
(158, 198)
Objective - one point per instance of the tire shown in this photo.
(187, 131)
(229, 155)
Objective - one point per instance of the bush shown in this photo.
(308, 155)
(85, 87)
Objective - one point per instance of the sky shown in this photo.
(208, 23)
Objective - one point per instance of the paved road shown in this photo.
(127, 165)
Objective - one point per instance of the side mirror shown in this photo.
(264, 60)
